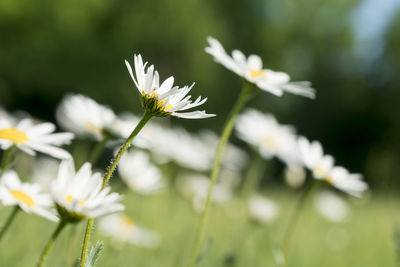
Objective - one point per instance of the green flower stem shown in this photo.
(9, 221)
(98, 149)
(6, 158)
(146, 117)
(50, 243)
(240, 102)
(294, 218)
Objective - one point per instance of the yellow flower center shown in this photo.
(161, 103)
(128, 221)
(256, 73)
(270, 141)
(319, 171)
(70, 198)
(14, 135)
(92, 127)
(23, 197)
(329, 179)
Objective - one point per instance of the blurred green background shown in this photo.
(349, 49)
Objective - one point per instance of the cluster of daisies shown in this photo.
(59, 192)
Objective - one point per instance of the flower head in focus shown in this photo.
(30, 137)
(252, 70)
(78, 195)
(27, 196)
(165, 99)
(84, 116)
(322, 167)
(123, 228)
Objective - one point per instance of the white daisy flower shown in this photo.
(140, 174)
(195, 186)
(27, 196)
(165, 99)
(314, 159)
(177, 144)
(252, 70)
(79, 195)
(262, 209)
(351, 183)
(31, 137)
(263, 132)
(323, 168)
(84, 116)
(123, 228)
(331, 206)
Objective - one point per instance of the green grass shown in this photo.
(232, 240)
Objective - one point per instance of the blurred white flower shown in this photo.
(295, 176)
(79, 195)
(314, 159)
(195, 186)
(262, 209)
(27, 196)
(122, 228)
(351, 183)
(31, 137)
(84, 116)
(140, 174)
(331, 206)
(263, 132)
(165, 99)
(323, 168)
(251, 69)
(177, 144)
(44, 171)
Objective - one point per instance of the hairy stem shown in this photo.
(240, 102)
(146, 117)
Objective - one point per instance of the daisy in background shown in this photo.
(262, 209)
(177, 144)
(165, 99)
(331, 206)
(84, 116)
(271, 139)
(322, 167)
(122, 228)
(140, 174)
(149, 137)
(31, 137)
(252, 70)
(28, 196)
(195, 186)
(78, 195)
(44, 171)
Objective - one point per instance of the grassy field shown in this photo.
(365, 239)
